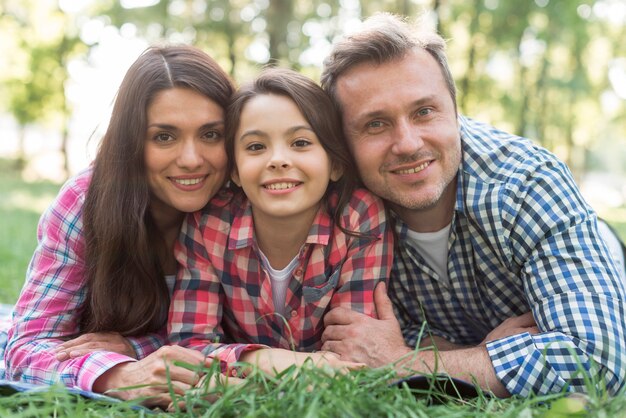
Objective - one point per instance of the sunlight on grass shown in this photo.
(23, 200)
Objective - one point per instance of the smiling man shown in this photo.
(499, 261)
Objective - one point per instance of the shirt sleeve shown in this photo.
(369, 256)
(572, 287)
(197, 302)
(46, 312)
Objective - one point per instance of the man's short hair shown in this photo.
(382, 38)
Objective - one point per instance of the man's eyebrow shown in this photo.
(416, 103)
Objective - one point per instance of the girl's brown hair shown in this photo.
(317, 108)
(126, 290)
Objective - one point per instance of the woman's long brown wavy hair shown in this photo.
(126, 290)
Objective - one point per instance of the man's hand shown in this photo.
(96, 341)
(513, 326)
(359, 338)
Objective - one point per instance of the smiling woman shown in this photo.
(94, 306)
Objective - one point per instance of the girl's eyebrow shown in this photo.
(290, 131)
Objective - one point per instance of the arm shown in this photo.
(379, 342)
(196, 307)
(46, 312)
(367, 260)
(572, 288)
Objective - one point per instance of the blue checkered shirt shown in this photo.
(522, 239)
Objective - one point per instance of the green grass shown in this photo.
(21, 204)
(312, 392)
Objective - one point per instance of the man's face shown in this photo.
(401, 125)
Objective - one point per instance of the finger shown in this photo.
(334, 332)
(340, 316)
(333, 347)
(384, 307)
(71, 343)
(533, 330)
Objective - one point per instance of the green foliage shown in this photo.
(317, 392)
(21, 204)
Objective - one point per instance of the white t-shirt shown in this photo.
(433, 247)
(280, 284)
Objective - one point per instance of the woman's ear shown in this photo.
(234, 176)
(336, 171)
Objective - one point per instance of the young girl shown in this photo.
(260, 268)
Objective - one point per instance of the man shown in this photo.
(493, 234)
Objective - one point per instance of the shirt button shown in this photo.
(294, 313)
(298, 272)
(233, 372)
(447, 297)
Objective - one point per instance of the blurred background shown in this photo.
(550, 70)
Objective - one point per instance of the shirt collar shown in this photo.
(242, 227)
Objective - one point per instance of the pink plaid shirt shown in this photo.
(222, 303)
(46, 312)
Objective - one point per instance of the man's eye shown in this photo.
(375, 124)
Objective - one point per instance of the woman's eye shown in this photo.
(301, 143)
(163, 137)
(213, 135)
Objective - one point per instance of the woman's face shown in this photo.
(184, 150)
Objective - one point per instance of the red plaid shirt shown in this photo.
(222, 302)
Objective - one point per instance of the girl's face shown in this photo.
(280, 163)
(184, 151)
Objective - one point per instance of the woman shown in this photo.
(104, 267)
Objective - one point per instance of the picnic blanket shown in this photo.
(5, 323)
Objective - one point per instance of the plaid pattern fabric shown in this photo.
(46, 311)
(222, 302)
(522, 239)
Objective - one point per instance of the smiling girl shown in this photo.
(262, 265)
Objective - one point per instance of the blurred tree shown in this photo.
(36, 90)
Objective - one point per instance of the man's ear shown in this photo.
(234, 176)
(336, 171)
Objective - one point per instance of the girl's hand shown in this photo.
(276, 360)
(151, 377)
(96, 341)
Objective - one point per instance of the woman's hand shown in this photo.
(96, 341)
(151, 373)
(276, 360)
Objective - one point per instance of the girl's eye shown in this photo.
(163, 137)
(299, 143)
(255, 147)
